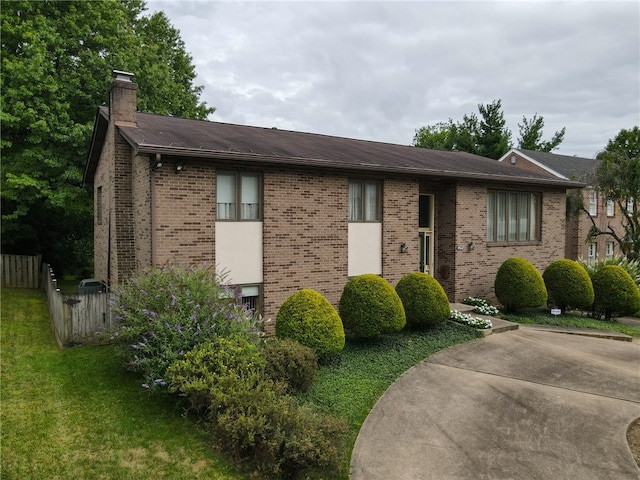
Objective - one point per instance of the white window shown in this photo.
(611, 211)
(630, 204)
(364, 201)
(238, 196)
(609, 251)
(592, 255)
(250, 297)
(593, 203)
(513, 216)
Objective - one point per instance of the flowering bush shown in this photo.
(466, 319)
(165, 312)
(481, 306)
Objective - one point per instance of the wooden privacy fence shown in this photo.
(20, 271)
(77, 318)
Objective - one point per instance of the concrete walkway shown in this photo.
(524, 404)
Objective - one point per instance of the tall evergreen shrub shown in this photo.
(518, 284)
(369, 307)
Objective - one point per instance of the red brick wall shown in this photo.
(141, 183)
(525, 164)
(305, 235)
(123, 263)
(400, 225)
(184, 213)
(476, 269)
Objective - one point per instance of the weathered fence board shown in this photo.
(20, 271)
(77, 318)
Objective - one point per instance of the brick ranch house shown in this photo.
(605, 214)
(281, 210)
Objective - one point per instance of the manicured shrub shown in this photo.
(615, 292)
(425, 301)
(290, 362)
(212, 370)
(309, 318)
(165, 312)
(568, 285)
(632, 267)
(369, 307)
(518, 284)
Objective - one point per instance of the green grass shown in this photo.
(76, 413)
(350, 386)
(543, 317)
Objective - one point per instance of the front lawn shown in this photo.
(76, 413)
(571, 319)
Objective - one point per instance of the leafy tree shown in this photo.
(494, 138)
(439, 136)
(531, 135)
(486, 135)
(617, 178)
(57, 58)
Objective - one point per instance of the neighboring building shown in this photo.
(603, 213)
(281, 210)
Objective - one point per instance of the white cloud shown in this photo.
(380, 70)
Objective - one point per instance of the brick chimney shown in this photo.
(122, 99)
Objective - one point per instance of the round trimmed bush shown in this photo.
(568, 285)
(518, 285)
(369, 307)
(309, 318)
(290, 362)
(425, 301)
(615, 292)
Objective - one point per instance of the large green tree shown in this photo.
(57, 58)
(617, 178)
(486, 134)
(531, 135)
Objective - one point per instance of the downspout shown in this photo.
(154, 166)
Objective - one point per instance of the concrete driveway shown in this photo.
(524, 404)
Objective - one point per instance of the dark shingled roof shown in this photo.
(573, 168)
(215, 140)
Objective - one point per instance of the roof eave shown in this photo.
(369, 167)
(100, 128)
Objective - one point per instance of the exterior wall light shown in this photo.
(471, 246)
(180, 168)
(404, 248)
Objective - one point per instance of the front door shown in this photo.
(425, 232)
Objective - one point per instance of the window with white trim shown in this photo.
(593, 203)
(513, 216)
(609, 250)
(238, 196)
(630, 204)
(611, 209)
(250, 297)
(364, 201)
(592, 253)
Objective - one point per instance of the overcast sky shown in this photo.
(380, 70)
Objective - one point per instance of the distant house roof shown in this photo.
(562, 166)
(215, 140)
